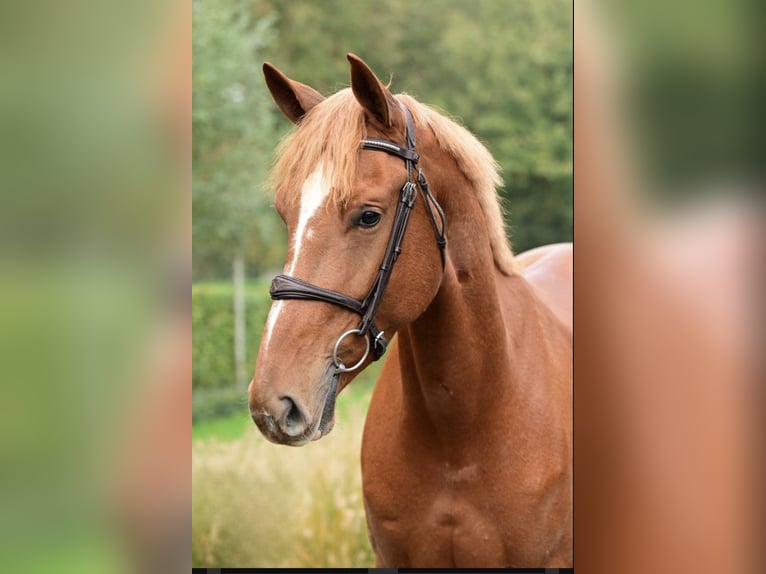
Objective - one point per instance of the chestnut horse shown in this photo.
(467, 447)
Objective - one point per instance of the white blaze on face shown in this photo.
(314, 192)
(313, 195)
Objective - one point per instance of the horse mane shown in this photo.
(331, 132)
(476, 163)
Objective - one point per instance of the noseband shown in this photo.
(286, 287)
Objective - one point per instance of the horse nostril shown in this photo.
(292, 422)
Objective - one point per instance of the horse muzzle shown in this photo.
(287, 420)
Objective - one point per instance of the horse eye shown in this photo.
(368, 219)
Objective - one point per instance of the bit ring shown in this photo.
(339, 366)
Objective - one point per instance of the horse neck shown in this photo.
(455, 361)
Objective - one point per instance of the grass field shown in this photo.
(256, 504)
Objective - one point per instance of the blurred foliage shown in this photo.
(213, 331)
(504, 69)
(230, 427)
(692, 94)
(218, 402)
(233, 135)
(85, 167)
(92, 194)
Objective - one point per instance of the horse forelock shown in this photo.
(330, 135)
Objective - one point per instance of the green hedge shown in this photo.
(208, 404)
(213, 331)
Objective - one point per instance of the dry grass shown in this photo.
(261, 505)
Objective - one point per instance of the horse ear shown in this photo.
(370, 92)
(293, 98)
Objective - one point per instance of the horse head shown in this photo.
(341, 199)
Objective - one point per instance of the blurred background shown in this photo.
(668, 297)
(503, 69)
(95, 263)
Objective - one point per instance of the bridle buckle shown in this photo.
(408, 194)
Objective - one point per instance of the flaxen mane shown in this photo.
(333, 130)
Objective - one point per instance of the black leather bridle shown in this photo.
(286, 287)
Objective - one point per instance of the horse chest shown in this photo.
(427, 530)
(423, 513)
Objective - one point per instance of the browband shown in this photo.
(392, 148)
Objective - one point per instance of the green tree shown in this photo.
(233, 133)
(233, 137)
(516, 94)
